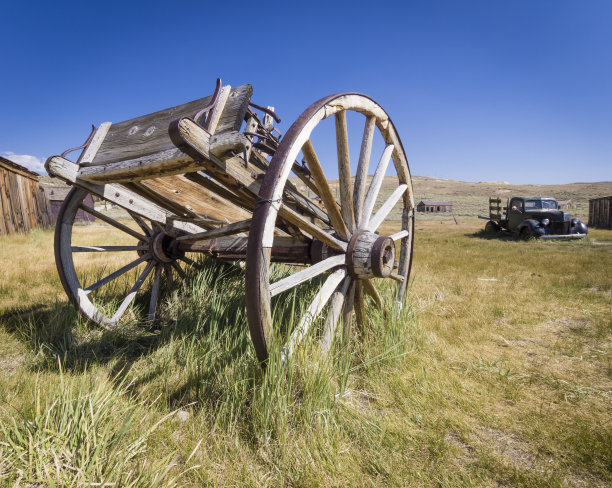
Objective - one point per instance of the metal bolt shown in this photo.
(117, 194)
(131, 200)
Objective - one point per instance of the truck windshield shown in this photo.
(538, 204)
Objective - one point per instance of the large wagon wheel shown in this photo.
(144, 254)
(350, 253)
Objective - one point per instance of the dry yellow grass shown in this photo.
(503, 378)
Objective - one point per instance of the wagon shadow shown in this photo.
(58, 337)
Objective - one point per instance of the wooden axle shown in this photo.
(285, 250)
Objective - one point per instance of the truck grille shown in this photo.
(559, 228)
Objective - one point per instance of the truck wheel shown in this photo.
(491, 227)
(526, 234)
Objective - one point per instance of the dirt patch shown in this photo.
(10, 365)
(465, 450)
(507, 445)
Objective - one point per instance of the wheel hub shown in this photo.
(370, 255)
(164, 248)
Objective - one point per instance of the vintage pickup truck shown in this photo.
(528, 217)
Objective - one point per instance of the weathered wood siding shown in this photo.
(22, 202)
(600, 212)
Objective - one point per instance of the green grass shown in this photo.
(474, 383)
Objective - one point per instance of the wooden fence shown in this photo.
(600, 212)
(23, 205)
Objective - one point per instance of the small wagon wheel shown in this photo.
(349, 253)
(143, 251)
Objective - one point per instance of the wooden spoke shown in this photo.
(360, 305)
(169, 276)
(189, 261)
(361, 176)
(399, 235)
(306, 274)
(132, 293)
(117, 273)
(333, 316)
(155, 291)
(344, 171)
(307, 226)
(108, 248)
(396, 277)
(325, 191)
(113, 222)
(373, 292)
(231, 229)
(347, 309)
(178, 269)
(313, 311)
(379, 175)
(142, 224)
(386, 207)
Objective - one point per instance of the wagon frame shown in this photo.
(195, 178)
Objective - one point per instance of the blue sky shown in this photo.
(518, 91)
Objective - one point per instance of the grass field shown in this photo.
(497, 373)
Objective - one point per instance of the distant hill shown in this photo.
(471, 199)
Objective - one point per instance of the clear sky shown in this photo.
(491, 90)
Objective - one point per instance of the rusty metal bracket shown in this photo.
(267, 111)
(209, 107)
(85, 144)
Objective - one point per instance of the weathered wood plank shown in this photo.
(147, 135)
(120, 195)
(214, 116)
(237, 174)
(171, 161)
(89, 153)
(197, 198)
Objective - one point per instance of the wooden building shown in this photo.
(600, 212)
(565, 204)
(56, 196)
(23, 205)
(434, 206)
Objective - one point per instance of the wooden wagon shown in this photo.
(215, 176)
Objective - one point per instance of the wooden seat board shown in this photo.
(146, 135)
